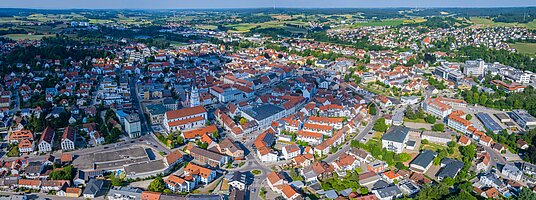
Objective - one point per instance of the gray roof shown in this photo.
(134, 117)
(263, 111)
(125, 193)
(437, 134)
(450, 168)
(389, 191)
(145, 167)
(396, 134)
(424, 158)
(156, 109)
(208, 154)
(93, 186)
(331, 194)
(34, 168)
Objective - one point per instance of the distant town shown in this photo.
(268, 104)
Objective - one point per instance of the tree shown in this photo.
(243, 120)
(116, 181)
(449, 181)
(526, 194)
(363, 190)
(157, 185)
(380, 125)
(469, 117)
(215, 134)
(465, 186)
(372, 109)
(430, 119)
(438, 127)
(464, 195)
(64, 174)
(424, 141)
(410, 114)
(180, 140)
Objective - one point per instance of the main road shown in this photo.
(346, 146)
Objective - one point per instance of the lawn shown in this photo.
(525, 48)
(25, 36)
(414, 120)
(484, 22)
(378, 90)
(435, 147)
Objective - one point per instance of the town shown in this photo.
(270, 104)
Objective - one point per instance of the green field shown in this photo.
(246, 27)
(525, 48)
(25, 36)
(206, 27)
(484, 22)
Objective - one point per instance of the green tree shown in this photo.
(380, 125)
(410, 114)
(438, 127)
(66, 173)
(469, 117)
(449, 181)
(526, 194)
(430, 119)
(372, 109)
(116, 181)
(464, 195)
(157, 185)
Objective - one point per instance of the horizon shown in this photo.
(249, 4)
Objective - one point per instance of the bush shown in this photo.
(425, 141)
(438, 127)
(430, 119)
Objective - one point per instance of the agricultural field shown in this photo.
(206, 27)
(246, 27)
(484, 22)
(26, 36)
(525, 48)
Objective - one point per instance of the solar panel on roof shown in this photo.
(488, 122)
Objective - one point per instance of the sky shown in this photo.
(213, 4)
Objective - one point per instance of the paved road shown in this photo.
(346, 147)
(145, 140)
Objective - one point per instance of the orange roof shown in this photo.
(185, 112)
(485, 138)
(199, 132)
(274, 177)
(25, 144)
(288, 191)
(148, 195)
(73, 190)
(309, 134)
(198, 170)
(21, 134)
(185, 121)
(309, 126)
(173, 157)
(29, 182)
(174, 180)
(464, 139)
(326, 120)
(391, 174)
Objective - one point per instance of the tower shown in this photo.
(194, 97)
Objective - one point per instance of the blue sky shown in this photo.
(200, 4)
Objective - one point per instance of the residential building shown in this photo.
(133, 125)
(423, 161)
(47, 138)
(68, 139)
(395, 139)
